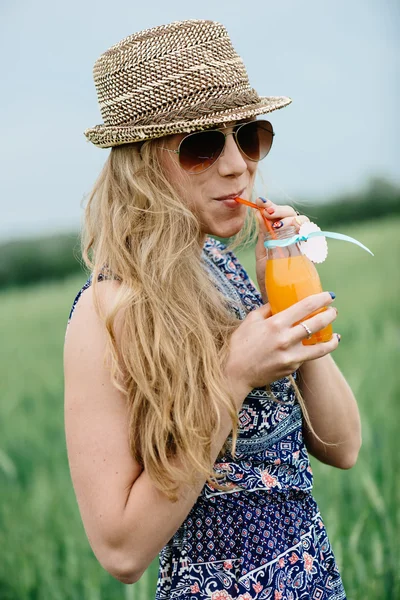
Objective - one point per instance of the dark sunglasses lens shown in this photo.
(255, 139)
(200, 150)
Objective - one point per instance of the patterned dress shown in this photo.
(264, 539)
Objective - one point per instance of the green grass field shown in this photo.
(45, 555)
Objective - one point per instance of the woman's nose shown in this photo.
(231, 160)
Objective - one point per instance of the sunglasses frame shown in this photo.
(234, 133)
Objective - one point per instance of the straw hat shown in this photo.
(175, 78)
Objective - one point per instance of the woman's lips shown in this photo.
(230, 196)
(230, 202)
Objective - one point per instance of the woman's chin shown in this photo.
(226, 230)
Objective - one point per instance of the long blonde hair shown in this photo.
(176, 323)
(177, 326)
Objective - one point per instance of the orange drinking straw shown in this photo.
(267, 223)
(260, 208)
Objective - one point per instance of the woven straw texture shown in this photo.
(181, 77)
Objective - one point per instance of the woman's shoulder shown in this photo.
(105, 292)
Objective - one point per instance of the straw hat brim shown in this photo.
(105, 136)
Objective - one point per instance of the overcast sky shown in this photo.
(338, 60)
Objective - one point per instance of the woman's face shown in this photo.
(232, 173)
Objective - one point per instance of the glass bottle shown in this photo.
(289, 277)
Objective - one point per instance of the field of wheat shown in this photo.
(45, 554)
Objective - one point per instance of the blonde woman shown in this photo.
(189, 409)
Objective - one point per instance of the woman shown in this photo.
(182, 392)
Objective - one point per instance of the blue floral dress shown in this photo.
(264, 539)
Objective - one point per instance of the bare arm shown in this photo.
(333, 413)
(127, 520)
(330, 402)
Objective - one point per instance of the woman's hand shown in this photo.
(280, 217)
(267, 347)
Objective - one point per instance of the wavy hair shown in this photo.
(177, 326)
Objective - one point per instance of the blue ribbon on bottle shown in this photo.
(304, 238)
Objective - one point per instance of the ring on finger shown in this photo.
(309, 332)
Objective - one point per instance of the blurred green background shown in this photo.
(45, 553)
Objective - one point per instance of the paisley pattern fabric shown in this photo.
(264, 539)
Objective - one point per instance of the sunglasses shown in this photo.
(200, 150)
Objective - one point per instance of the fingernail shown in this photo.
(270, 210)
(339, 337)
(263, 199)
(277, 224)
(333, 295)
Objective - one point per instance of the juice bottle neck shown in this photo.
(286, 251)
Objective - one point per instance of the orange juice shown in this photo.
(290, 278)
